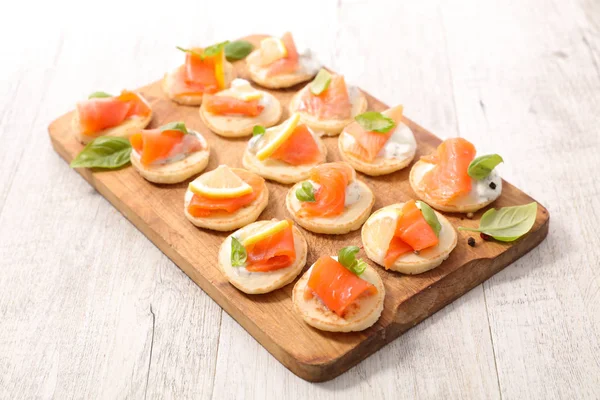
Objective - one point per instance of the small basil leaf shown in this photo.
(258, 130)
(175, 126)
(508, 223)
(482, 166)
(99, 95)
(238, 253)
(237, 50)
(104, 152)
(214, 49)
(190, 51)
(347, 257)
(321, 82)
(430, 217)
(306, 192)
(374, 121)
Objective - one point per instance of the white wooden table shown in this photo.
(89, 308)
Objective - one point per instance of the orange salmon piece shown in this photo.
(272, 253)
(449, 179)
(227, 105)
(332, 103)
(201, 206)
(155, 145)
(336, 286)
(199, 75)
(286, 65)
(331, 195)
(97, 114)
(300, 148)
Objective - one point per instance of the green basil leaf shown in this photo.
(430, 217)
(190, 51)
(347, 257)
(321, 82)
(214, 49)
(175, 126)
(258, 130)
(238, 253)
(237, 50)
(482, 166)
(99, 95)
(508, 223)
(306, 192)
(374, 121)
(104, 152)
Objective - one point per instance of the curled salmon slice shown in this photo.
(97, 114)
(201, 206)
(228, 105)
(449, 179)
(299, 149)
(199, 74)
(330, 197)
(290, 63)
(332, 103)
(272, 253)
(155, 145)
(336, 286)
(412, 233)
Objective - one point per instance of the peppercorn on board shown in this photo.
(157, 211)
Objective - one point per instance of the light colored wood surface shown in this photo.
(156, 210)
(520, 78)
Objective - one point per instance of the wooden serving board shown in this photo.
(157, 211)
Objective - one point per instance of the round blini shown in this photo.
(239, 125)
(258, 74)
(261, 282)
(380, 165)
(281, 171)
(230, 221)
(350, 220)
(330, 127)
(192, 99)
(376, 239)
(176, 171)
(470, 203)
(125, 129)
(316, 314)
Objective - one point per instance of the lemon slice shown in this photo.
(241, 89)
(383, 226)
(220, 183)
(271, 50)
(275, 136)
(264, 233)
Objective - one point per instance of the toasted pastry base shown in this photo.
(465, 205)
(329, 127)
(350, 220)
(258, 75)
(125, 129)
(238, 126)
(409, 263)
(229, 222)
(379, 166)
(280, 171)
(195, 99)
(261, 282)
(316, 314)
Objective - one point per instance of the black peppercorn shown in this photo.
(492, 185)
(485, 237)
(471, 242)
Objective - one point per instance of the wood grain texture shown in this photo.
(157, 211)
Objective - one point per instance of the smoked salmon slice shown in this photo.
(368, 144)
(412, 233)
(155, 145)
(330, 197)
(272, 253)
(300, 148)
(97, 114)
(199, 74)
(449, 178)
(286, 65)
(336, 286)
(201, 206)
(332, 103)
(228, 105)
